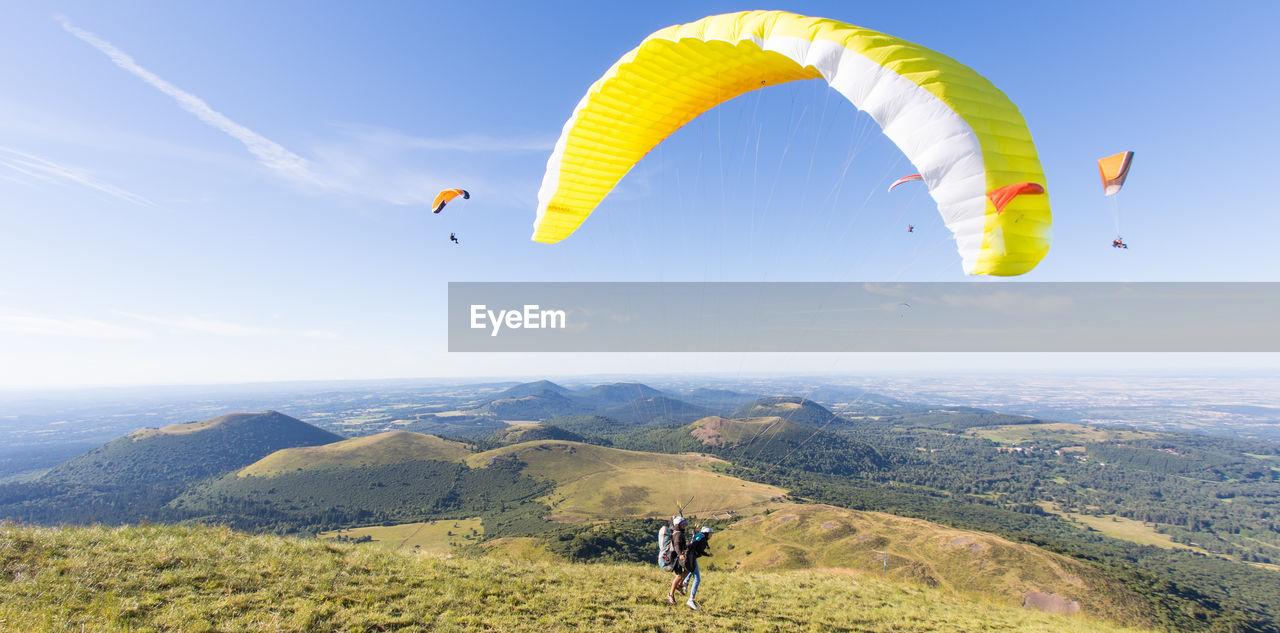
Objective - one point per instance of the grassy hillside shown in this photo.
(586, 484)
(956, 419)
(717, 399)
(617, 393)
(1123, 529)
(529, 389)
(1056, 434)
(972, 563)
(525, 432)
(790, 408)
(763, 442)
(583, 484)
(540, 406)
(401, 477)
(654, 410)
(188, 452)
(719, 431)
(426, 537)
(317, 499)
(854, 398)
(594, 482)
(374, 450)
(214, 579)
(598, 427)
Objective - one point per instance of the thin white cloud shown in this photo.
(69, 327)
(268, 152)
(195, 324)
(466, 143)
(36, 125)
(369, 163)
(218, 327)
(45, 170)
(327, 335)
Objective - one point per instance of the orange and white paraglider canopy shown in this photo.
(445, 196)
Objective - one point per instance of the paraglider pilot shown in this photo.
(453, 237)
(697, 549)
(680, 546)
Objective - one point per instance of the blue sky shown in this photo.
(238, 191)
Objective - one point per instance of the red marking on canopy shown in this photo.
(1003, 196)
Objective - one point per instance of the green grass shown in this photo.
(1129, 530)
(384, 448)
(1055, 432)
(184, 428)
(434, 537)
(195, 579)
(596, 483)
(523, 548)
(1118, 527)
(958, 561)
(177, 429)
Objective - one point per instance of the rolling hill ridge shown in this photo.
(599, 483)
(390, 447)
(181, 453)
(790, 408)
(795, 536)
(763, 442)
(572, 483)
(518, 433)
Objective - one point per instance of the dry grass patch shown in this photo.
(428, 537)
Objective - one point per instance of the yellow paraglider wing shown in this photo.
(964, 136)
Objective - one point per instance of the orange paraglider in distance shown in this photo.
(445, 196)
(905, 179)
(1114, 169)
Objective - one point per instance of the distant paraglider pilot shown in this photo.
(1118, 243)
(911, 228)
(453, 237)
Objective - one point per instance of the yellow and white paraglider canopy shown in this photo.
(966, 138)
